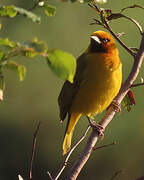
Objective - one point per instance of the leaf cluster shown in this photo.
(61, 63)
(11, 11)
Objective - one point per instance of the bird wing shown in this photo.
(69, 90)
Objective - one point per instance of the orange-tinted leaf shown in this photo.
(128, 101)
(131, 97)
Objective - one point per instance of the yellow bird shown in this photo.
(97, 81)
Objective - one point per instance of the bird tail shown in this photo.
(72, 120)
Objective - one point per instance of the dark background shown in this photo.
(34, 99)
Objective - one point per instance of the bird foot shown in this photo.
(96, 127)
(116, 106)
(100, 130)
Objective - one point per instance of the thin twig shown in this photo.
(33, 149)
(137, 85)
(133, 6)
(15, 52)
(64, 164)
(120, 42)
(120, 34)
(106, 145)
(19, 177)
(95, 8)
(50, 176)
(117, 173)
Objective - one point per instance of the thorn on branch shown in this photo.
(33, 149)
(121, 34)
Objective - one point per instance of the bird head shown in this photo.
(101, 42)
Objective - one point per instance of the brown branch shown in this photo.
(118, 39)
(106, 145)
(137, 85)
(84, 156)
(133, 6)
(33, 149)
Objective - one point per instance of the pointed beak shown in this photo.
(96, 39)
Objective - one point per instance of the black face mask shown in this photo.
(96, 47)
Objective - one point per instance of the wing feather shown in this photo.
(69, 90)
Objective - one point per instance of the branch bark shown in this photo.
(137, 85)
(84, 156)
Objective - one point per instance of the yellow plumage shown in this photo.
(97, 81)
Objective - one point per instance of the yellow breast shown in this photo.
(102, 81)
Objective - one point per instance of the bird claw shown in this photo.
(96, 127)
(116, 106)
(100, 130)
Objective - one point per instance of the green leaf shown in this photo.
(28, 14)
(62, 64)
(6, 42)
(9, 11)
(38, 46)
(34, 48)
(49, 10)
(19, 69)
(30, 53)
(12, 11)
(21, 72)
(1, 55)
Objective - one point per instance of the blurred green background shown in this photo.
(34, 99)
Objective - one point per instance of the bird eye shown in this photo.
(105, 40)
